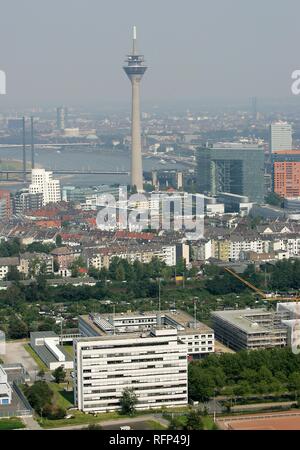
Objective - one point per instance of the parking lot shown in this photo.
(16, 353)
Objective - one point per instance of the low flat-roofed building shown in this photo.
(46, 345)
(250, 329)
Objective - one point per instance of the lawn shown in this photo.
(11, 424)
(69, 350)
(37, 359)
(208, 422)
(62, 398)
(153, 425)
(80, 419)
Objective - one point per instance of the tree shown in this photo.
(39, 395)
(13, 274)
(10, 248)
(194, 421)
(53, 412)
(274, 199)
(41, 374)
(58, 240)
(17, 329)
(120, 273)
(59, 375)
(294, 383)
(128, 401)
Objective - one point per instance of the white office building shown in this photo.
(147, 352)
(153, 364)
(42, 182)
(280, 137)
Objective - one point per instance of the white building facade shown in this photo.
(153, 365)
(280, 137)
(43, 182)
(5, 388)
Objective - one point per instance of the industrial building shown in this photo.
(147, 352)
(229, 168)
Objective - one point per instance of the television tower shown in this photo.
(135, 70)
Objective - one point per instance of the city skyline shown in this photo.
(81, 65)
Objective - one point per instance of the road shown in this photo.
(16, 353)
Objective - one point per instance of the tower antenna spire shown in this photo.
(134, 49)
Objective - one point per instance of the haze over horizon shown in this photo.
(72, 52)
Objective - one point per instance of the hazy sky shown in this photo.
(72, 51)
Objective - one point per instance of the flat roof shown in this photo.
(126, 336)
(42, 334)
(181, 320)
(245, 319)
(47, 357)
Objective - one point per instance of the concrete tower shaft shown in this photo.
(135, 70)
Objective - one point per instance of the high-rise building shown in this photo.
(234, 168)
(135, 70)
(280, 137)
(61, 118)
(286, 173)
(43, 182)
(5, 205)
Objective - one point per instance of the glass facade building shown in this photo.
(232, 168)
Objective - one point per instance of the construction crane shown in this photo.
(258, 291)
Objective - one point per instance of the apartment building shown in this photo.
(5, 205)
(144, 253)
(5, 265)
(64, 257)
(32, 263)
(145, 351)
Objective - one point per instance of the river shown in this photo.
(83, 158)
